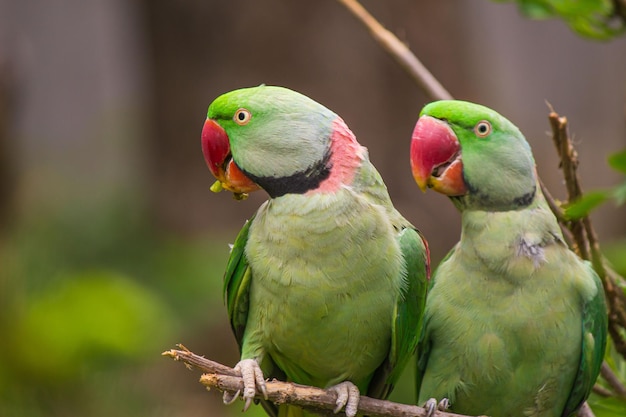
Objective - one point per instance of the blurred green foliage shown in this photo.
(90, 295)
(595, 19)
(87, 317)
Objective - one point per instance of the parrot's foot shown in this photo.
(253, 379)
(432, 405)
(348, 395)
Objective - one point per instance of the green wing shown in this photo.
(423, 345)
(237, 284)
(236, 293)
(594, 329)
(408, 315)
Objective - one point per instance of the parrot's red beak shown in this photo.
(436, 157)
(216, 150)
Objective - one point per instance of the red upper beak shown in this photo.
(216, 150)
(436, 157)
(215, 147)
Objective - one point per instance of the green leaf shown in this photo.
(619, 194)
(583, 206)
(593, 19)
(617, 161)
(607, 407)
(536, 9)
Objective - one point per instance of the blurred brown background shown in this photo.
(101, 173)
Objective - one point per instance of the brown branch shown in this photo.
(602, 392)
(569, 164)
(192, 360)
(315, 399)
(399, 51)
(584, 235)
(585, 411)
(612, 379)
(559, 213)
(619, 11)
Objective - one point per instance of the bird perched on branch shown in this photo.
(326, 283)
(515, 322)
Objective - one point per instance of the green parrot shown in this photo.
(515, 323)
(326, 283)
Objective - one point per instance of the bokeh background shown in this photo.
(111, 245)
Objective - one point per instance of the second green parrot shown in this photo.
(325, 285)
(515, 322)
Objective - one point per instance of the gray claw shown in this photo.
(247, 404)
(253, 379)
(229, 398)
(443, 405)
(348, 395)
(431, 405)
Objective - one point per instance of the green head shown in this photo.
(474, 155)
(274, 137)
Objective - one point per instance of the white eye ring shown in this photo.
(482, 128)
(242, 117)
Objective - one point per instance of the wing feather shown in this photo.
(408, 313)
(237, 284)
(594, 329)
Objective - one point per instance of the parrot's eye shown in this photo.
(482, 128)
(242, 117)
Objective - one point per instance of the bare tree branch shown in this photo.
(584, 235)
(312, 398)
(559, 213)
(585, 411)
(400, 52)
(613, 380)
(619, 7)
(569, 164)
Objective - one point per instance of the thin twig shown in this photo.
(227, 379)
(602, 392)
(613, 380)
(569, 164)
(584, 235)
(400, 52)
(555, 207)
(190, 359)
(585, 411)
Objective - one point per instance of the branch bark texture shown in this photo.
(584, 235)
(399, 51)
(311, 398)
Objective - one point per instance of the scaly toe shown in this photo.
(430, 406)
(443, 405)
(253, 379)
(348, 395)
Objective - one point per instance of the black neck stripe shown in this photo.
(486, 200)
(297, 183)
(526, 199)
